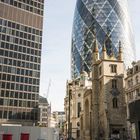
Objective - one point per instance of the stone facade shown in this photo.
(103, 108)
(108, 98)
(74, 98)
(43, 112)
(86, 118)
(132, 91)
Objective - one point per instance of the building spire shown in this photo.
(95, 54)
(104, 51)
(95, 44)
(95, 47)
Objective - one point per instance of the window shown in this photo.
(28, 104)
(23, 115)
(131, 82)
(17, 33)
(25, 88)
(12, 94)
(5, 115)
(136, 68)
(4, 77)
(114, 83)
(78, 109)
(0, 114)
(131, 71)
(130, 95)
(138, 92)
(1, 101)
(16, 94)
(8, 46)
(137, 79)
(3, 37)
(13, 25)
(33, 96)
(10, 115)
(15, 3)
(7, 94)
(9, 24)
(2, 93)
(115, 103)
(8, 86)
(25, 95)
(78, 133)
(5, 102)
(113, 68)
(20, 95)
(19, 115)
(11, 102)
(20, 103)
(14, 114)
(12, 85)
(33, 104)
(17, 26)
(100, 70)
(29, 96)
(15, 102)
(3, 85)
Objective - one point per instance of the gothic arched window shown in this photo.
(137, 79)
(87, 115)
(115, 102)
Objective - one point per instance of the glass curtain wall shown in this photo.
(107, 19)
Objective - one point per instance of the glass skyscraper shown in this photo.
(100, 19)
(21, 23)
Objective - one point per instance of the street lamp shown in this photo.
(69, 127)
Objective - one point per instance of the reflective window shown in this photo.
(106, 18)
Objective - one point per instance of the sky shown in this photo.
(55, 61)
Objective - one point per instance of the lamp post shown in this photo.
(69, 127)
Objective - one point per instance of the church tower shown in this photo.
(108, 99)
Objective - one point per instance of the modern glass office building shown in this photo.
(20, 57)
(107, 19)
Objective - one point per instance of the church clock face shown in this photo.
(115, 92)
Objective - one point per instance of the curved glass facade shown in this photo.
(108, 18)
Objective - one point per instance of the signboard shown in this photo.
(115, 136)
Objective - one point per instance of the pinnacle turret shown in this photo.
(104, 51)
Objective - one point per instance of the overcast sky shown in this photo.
(55, 67)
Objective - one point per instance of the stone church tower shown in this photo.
(108, 99)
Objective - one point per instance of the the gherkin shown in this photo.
(108, 18)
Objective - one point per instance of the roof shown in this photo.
(43, 100)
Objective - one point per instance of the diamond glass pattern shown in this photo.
(106, 18)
